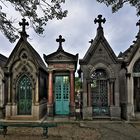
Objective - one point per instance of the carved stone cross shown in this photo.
(138, 24)
(91, 41)
(99, 20)
(23, 24)
(60, 40)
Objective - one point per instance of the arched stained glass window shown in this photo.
(24, 89)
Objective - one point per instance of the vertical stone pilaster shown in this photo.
(89, 94)
(114, 108)
(9, 90)
(50, 95)
(111, 92)
(72, 95)
(37, 91)
(50, 89)
(130, 107)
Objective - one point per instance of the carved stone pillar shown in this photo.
(111, 83)
(8, 111)
(72, 95)
(9, 91)
(37, 91)
(50, 95)
(89, 94)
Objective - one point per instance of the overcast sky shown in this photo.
(78, 28)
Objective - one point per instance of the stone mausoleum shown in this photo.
(110, 84)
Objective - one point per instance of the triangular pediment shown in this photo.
(22, 51)
(61, 56)
(99, 50)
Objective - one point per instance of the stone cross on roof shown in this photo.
(91, 41)
(138, 24)
(99, 20)
(23, 24)
(60, 40)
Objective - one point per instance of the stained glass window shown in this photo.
(24, 96)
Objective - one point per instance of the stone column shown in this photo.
(37, 91)
(72, 95)
(111, 92)
(89, 94)
(9, 91)
(114, 99)
(50, 95)
(129, 108)
(8, 106)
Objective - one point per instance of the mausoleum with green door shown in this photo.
(26, 82)
(61, 89)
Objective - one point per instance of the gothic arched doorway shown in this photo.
(24, 94)
(136, 74)
(99, 93)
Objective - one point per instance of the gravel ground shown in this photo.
(62, 132)
(84, 131)
(115, 131)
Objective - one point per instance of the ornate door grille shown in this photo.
(99, 93)
(24, 96)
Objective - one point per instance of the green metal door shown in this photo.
(24, 96)
(62, 92)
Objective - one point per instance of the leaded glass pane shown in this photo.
(24, 96)
(62, 93)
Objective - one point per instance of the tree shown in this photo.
(77, 84)
(117, 4)
(38, 12)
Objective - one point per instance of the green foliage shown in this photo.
(77, 84)
(38, 12)
(117, 4)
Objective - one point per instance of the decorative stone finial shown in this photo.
(99, 21)
(60, 40)
(91, 41)
(138, 24)
(23, 24)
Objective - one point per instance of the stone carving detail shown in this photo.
(60, 57)
(24, 56)
(24, 68)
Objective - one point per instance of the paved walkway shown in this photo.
(115, 130)
(79, 131)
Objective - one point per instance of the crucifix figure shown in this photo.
(99, 21)
(23, 24)
(138, 24)
(60, 40)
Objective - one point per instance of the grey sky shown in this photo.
(78, 28)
